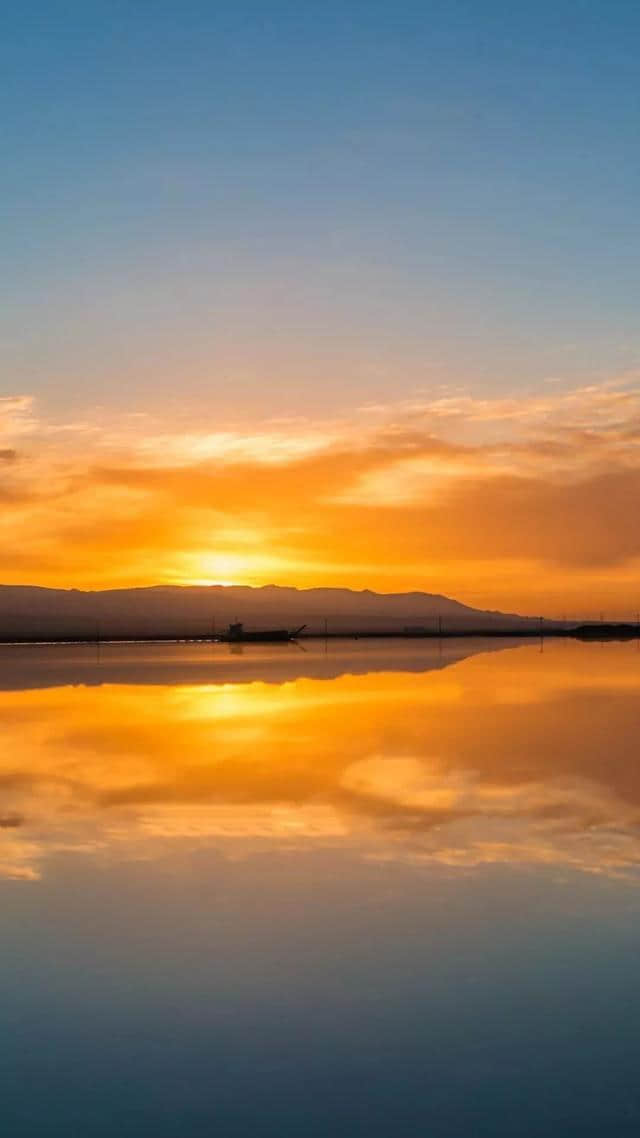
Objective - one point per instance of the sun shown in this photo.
(250, 567)
(221, 569)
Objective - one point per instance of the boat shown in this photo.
(238, 634)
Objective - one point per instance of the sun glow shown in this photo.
(227, 569)
(220, 569)
(519, 514)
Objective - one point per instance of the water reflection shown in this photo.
(461, 754)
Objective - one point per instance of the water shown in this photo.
(370, 889)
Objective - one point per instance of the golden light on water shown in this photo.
(497, 757)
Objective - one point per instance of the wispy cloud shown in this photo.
(16, 415)
(425, 493)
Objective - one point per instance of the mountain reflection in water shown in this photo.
(460, 754)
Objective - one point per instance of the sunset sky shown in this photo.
(323, 294)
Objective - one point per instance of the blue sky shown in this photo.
(283, 208)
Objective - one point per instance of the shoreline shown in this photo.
(581, 632)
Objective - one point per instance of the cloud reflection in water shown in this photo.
(511, 756)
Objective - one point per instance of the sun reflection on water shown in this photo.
(504, 756)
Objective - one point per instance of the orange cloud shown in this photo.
(521, 503)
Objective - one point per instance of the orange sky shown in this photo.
(355, 305)
(526, 503)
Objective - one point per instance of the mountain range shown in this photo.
(31, 612)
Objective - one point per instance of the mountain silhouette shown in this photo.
(31, 612)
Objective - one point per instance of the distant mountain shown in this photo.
(28, 612)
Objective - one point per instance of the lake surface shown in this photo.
(367, 888)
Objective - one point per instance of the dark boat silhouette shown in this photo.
(237, 634)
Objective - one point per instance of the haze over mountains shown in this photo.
(30, 612)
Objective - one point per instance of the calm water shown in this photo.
(381, 890)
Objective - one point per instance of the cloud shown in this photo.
(10, 821)
(421, 494)
(16, 415)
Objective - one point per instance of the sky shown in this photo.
(323, 294)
